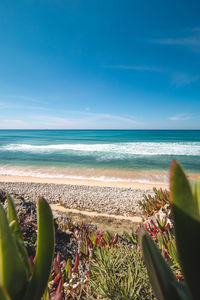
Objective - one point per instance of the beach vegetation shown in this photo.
(19, 278)
(153, 203)
(92, 264)
(185, 206)
(131, 237)
(164, 238)
(99, 257)
(119, 273)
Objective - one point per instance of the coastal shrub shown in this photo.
(131, 237)
(19, 279)
(161, 229)
(119, 273)
(70, 278)
(164, 237)
(185, 204)
(152, 204)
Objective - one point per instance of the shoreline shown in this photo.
(85, 176)
(82, 182)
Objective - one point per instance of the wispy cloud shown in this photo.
(191, 41)
(195, 29)
(77, 120)
(93, 117)
(13, 124)
(14, 97)
(182, 79)
(177, 78)
(53, 122)
(18, 106)
(134, 67)
(181, 117)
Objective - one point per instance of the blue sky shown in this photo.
(100, 64)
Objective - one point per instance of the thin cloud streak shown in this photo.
(98, 116)
(88, 121)
(180, 117)
(182, 79)
(191, 41)
(177, 78)
(196, 29)
(7, 105)
(22, 97)
(135, 68)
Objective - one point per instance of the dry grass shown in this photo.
(104, 222)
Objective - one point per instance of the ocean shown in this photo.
(107, 155)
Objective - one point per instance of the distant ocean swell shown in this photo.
(104, 155)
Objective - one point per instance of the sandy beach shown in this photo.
(87, 182)
(119, 198)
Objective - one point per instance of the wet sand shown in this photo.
(68, 181)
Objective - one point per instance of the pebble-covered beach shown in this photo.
(111, 200)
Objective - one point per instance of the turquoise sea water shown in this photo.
(100, 149)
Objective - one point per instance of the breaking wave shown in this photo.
(133, 148)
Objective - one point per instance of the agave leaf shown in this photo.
(46, 294)
(12, 216)
(17, 234)
(12, 272)
(4, 294)
(12, 226)
(44, 252)
(173, 252)
(68, 268)
(24, 256)
(195, 187)
(180, 290)
(181, 192)
(93, 238)
(163, 281)
(187, 226)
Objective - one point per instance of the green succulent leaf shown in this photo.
(44, 252)
(185, 207)
(181, 192)
(46, 295)
(12, 219)
(195, 187)
(68, 268)
(4, 294)
(17, 234)
(164, 283)
(24, 256)
(13, 275)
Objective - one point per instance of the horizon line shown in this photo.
(99, 129)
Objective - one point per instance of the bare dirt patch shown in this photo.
(105, 222)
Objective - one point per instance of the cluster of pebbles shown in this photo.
(111, 200)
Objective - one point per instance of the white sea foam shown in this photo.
(15, 171)
(113, 150)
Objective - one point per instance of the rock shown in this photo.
(2, 196)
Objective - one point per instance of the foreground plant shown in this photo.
(75, 273)
(185, 203)
(18, 279)
(119, 273)
(153, 203)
